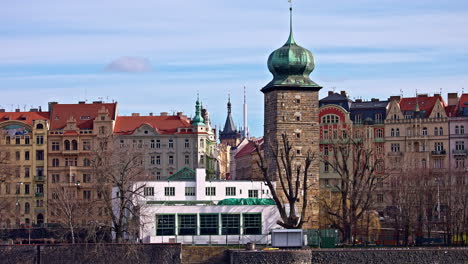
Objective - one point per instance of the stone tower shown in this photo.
(291, 108)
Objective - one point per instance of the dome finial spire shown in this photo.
(291, 37)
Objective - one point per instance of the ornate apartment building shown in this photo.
(75, 131)
(291, 107)
(457, 110)
(417, 133)
(334, 120)
(23, 152)
(170, 142)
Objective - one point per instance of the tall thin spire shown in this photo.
(229, 103)
(291, 37)
(246, 127)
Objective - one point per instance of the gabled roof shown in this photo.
(84, 114)
(462, 106)
(368, 105)
(25, 117)
(425, 103)
(250, 148)
(334, 98)
(126, 125)
(184, 174)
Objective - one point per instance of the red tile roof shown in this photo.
(126, 125)
(250, 148)
(426, 103)
(84, 114)
(25, 117)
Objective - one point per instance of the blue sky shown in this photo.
(153, 56)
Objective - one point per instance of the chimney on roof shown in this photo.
(395, 98)
(51, 106)
(180, 113)
(2, 110)
(330, 93)
(33, 110)
(343, 93)
(452, 98)
(81, 102)
(151, 114)
(135, 114)
(437, 95)
(97, 102)
(17, 110)
(163, 113)
(374, 99)
(358, 100)
(422, 95)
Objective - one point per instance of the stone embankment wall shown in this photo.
(91, 253)
(391, 256)
(176, 254)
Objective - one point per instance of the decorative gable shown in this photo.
(438, 111)
(394, 111)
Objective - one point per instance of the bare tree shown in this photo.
(68, 210)
(120, 168)
(293, 177)
(359, 170)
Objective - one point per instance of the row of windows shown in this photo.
(191, 191)
(438, 131)
(438, 146)
(156, 160)
(6, 188)
(71, 145)
(70, 162)
(27, 172)
(85, 178)
(208, 224)
(85, 194)
(27, 206)
(157, 143)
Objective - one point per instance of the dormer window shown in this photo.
(39, 126)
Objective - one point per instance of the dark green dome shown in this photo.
(291, 65)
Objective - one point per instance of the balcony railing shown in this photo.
(39, 178)
(463, 152)
(39, 195)
(439, 152)
(395, 153)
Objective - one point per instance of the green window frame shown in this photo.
(230, 224)
(189, 191)
(210, 191)
(165, 225)
(187, 224)
(169, 191)
(209, 224)
(252, 224)
(230, 191)
(253, 193)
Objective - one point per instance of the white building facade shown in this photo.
(188, 209)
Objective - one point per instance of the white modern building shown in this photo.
(186, 208)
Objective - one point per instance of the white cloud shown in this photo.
(129, 64)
